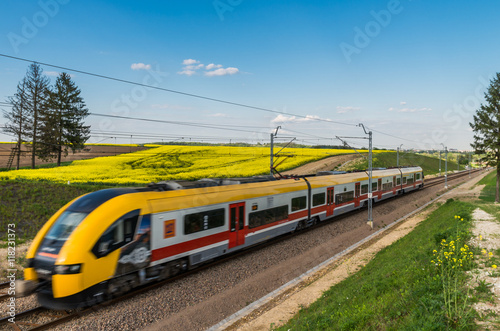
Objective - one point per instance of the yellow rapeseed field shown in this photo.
(174, 162)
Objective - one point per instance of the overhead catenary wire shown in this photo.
(210, 126)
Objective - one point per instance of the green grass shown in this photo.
(429, 164)
(30, 204)
(488, 192)
(400, 289)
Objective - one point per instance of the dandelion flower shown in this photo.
(494, 266)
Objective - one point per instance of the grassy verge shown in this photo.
(30, 204)
(389, 159)
(488, 192)
(408, 285)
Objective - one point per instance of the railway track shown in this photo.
(3, 291)
(40, 318)
(441, 179)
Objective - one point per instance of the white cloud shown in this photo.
(189, 61)
(391, 109)
(187, 72)
(194, 67)
(343, 110)
(402, 103)
(222, 72)
(218, 115)
(140, 66)
(213, 66)
(280, 119)
(191, 67)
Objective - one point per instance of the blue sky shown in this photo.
(413, 71)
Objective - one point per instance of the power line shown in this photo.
(176, 92)
(393, 136)
(210, 126)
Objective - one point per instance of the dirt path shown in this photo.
(327, 164)
(278, 309)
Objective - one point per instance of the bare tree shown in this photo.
(17, 117)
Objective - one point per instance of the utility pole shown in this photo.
(445, 167)
(272, 146)
(370, 169)
(439, 163)
(470, 164)
(397, 162)
(370, 173)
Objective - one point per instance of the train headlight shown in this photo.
(68, 269)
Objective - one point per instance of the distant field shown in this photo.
(389, 159)
(173, 162)
(90, 151)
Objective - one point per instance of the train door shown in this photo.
(394, 185)
(330, 201)
(236, 224)
(380, 188)
(357, 192)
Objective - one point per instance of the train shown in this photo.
(103, 244)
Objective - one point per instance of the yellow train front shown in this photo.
(70, 262)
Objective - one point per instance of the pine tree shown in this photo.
(17, 117)
(37, 87)
(63, 126)
(486, 129)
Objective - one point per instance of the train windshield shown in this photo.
(65, 225)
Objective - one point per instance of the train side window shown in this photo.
(364, 188)
(267, 216)
(204, 220)
(387, 186)
(404, 180)
(374, 186)
(398, 181)
(299, 203)
(117, 235)
(417, 176)
(318, 199)
(344, 197)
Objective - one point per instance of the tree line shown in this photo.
(49, 118)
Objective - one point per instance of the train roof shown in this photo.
(335, 177)
(174, 195)
(259, 188)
